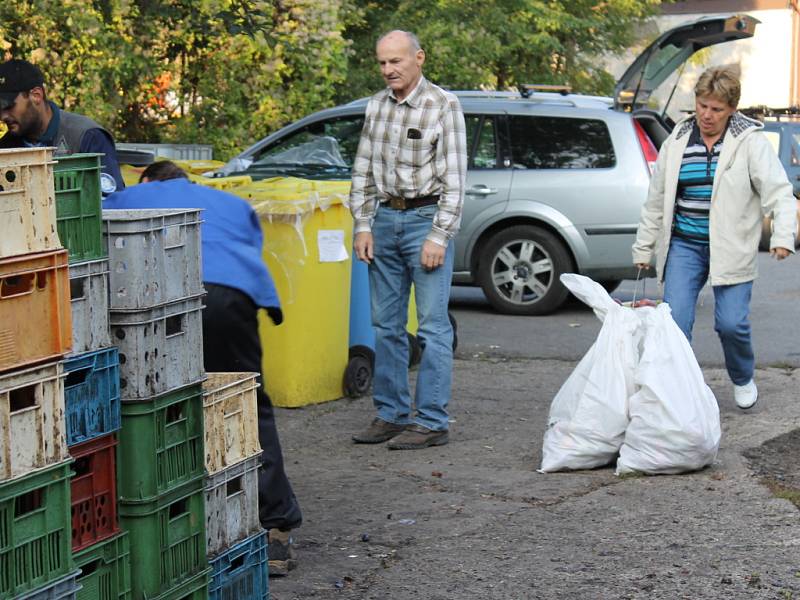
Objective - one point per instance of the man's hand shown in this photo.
(643, 266)
(363, 246)
(432, 255)
(779, 253)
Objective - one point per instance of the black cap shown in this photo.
(17, 76)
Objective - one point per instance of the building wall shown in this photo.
(768, 60)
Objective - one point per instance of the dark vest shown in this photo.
(71, 129)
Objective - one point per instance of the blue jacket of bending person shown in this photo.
(230, 233)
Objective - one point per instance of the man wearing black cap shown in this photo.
(33, 120)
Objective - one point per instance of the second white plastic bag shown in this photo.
(674, 424)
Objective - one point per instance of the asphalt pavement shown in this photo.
(568, 333)
(474, 520)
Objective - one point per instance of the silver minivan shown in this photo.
(556, 180)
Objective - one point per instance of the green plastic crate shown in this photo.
(161, 444)
(167, 539)
(35, 530)
(105, 570)
(79, 206)
(194, 589)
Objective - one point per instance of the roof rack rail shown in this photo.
(764, 112)
(526, 89)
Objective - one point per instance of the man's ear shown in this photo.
(420, 56)
(36, 95)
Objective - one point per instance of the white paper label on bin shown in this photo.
(331, 245)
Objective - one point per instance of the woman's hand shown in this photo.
(779, 253)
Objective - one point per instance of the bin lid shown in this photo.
(292, 196)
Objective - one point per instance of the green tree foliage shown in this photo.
(502, 43)
(228, 72)
(225, 72)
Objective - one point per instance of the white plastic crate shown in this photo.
(160, 348)
(232, 505)
(65, 588)
(154, 256)
(27, 202)
(32, 424)
(230, 419)
(88, 288)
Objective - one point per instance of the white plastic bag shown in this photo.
(589, 415)
(674, 415)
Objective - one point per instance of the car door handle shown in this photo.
(481, 190)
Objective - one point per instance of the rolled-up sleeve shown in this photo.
(363, 194)
(453, 157)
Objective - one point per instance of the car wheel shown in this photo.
(520, 268)
(358, 373)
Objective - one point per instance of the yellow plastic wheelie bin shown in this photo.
(308, 238)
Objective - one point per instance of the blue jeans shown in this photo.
(398, 237)
(684, 276)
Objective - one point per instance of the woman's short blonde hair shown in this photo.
(721, 83)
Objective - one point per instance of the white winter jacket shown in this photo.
(750, 182)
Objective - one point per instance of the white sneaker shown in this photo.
(746, 395)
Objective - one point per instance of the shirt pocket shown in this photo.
(418, 150)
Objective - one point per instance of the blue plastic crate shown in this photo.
(91, 395)
(242, 572)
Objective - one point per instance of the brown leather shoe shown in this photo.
(378, 431)
(416, 437)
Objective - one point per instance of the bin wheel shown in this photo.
(454, 325)
(414, 350)
(358, 373)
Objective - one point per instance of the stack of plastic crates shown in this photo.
(155, 304)
(35, 333)
(236, 543)
(91, 386)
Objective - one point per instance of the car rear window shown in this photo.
(560, 143)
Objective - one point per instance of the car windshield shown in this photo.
(322, 150)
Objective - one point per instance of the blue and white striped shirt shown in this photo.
(695, 182)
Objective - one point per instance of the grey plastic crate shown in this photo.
(160, 348)
(65, 588)
(232, 505)
(175, 151)
(88, 288)
(154, 256)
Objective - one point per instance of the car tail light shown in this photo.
(648, 148)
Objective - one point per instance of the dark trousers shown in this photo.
(231, 343)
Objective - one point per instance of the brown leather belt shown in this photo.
(400, 203)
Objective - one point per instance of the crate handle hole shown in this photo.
(82, 466)
(238, 562)
(77, 288)
(77, 377)
(11, 176)
(28, 503)
(16, 285)
(41, 280)
(174, 413)
(22, 398)
(234, 486)
(176, 509)
(174, 325)
(120, 333)
(91, 567)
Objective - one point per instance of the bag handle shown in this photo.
(636, 286)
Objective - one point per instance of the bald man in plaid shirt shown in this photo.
(406, 199)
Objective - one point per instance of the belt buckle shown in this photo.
(397, 202)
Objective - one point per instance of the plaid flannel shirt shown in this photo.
(413, 148)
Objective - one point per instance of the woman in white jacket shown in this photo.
(715, 178)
